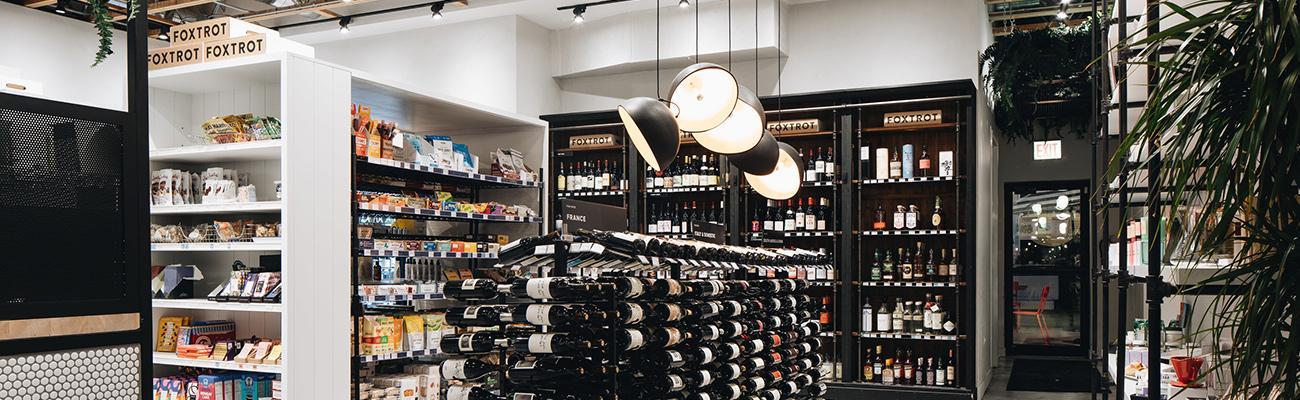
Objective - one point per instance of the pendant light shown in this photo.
(743, 128)
(783, 183)
(651, 128)
(650, 123)
(706, 93)
(761, 159)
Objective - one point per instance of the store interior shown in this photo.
(648, 199)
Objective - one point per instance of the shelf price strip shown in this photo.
(424, 254)
(448, 172)
(444, 214)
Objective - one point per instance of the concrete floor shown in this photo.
(998, 389)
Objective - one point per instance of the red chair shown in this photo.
(1038, 315)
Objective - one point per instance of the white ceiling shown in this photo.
(540, 12)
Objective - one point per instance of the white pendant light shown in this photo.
(783, 183)
(651, 128)
(739, 132)
(706, 94)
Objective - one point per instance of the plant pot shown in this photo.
(1187, 369)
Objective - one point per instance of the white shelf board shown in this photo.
(160, 358)
(259, 150)
(231, 208)
(203, 304)
(270, 245)
(218, 75)
(427, 110)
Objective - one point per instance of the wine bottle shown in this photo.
(551, 343)
(465, 369)
(471, 289)
(470, 343)
(467, 392)
(477, 316)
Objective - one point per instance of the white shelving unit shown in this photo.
(310, 163)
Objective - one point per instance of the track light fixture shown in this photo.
(162, 35)
(577, 14)
(60, 8)
(436, 8)
(684, 3)
(1062, 15)
(343, 25)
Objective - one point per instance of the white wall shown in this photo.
(57, 52)
(498, 62)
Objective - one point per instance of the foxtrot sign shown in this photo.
(914, 118)
(589, 141)
(794, 126)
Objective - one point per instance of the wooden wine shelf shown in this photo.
(947, 125)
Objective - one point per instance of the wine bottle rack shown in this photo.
(845, 117)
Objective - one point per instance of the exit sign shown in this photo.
(1047, 150)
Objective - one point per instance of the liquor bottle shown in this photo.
(606, 179)
(952, 369)
(912, 217)
(936, 217)
(789, 224)
(918, 263)
(658, 179)
(864, 159)
(868, 315)
(879, 221)
(887, 271)
(878, 364)
(895, 166)
(467, 392)
(868, 373)
(820, 166)
(471, 289)
(876, 267)
(619, 177)
(551, 343)
(908, 159)
(941, 373)
(898, 317)
(923, 163)
(931, 268)
(884, 318)
(810, 216)
(918, 317)
(800, 216)
(470, 343)
(905, 265)
(769, 223)
(954, 267)
(887, 372)
(909, 369)
(927, 315)
(824, 316)
(756, 223)
(560, 180)
(900, 217)
(466, 369)
(829, 173)
(810, 168)
(941, 268)
(553, 288)
(823, 214)
(649, 177)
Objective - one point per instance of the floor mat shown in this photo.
(1052, 376)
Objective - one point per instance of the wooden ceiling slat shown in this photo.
(39, 3)
(163, 6)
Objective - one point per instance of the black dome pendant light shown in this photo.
(784, 181)
(650, 123)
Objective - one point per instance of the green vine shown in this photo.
(1026, 72)
(104, 25)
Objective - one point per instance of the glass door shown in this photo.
(1046, 270)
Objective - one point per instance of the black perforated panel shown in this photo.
(60, 209)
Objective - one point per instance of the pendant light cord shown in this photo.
(697, 32)
(729, 34)
(756, 86)
(658, 92)
(779, 69)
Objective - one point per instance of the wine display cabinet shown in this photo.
(590, 161)
(839, 134)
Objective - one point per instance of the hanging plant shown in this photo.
(104, 25)
(1026, 71)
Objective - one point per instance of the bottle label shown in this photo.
(674, 337)
(527, 364)
(864, 153)
(758, 344)
(674, 287)
(524, 396)
(899, 220)
(706, 355)
(674, 357)
(704, 396)
(466, 343)
(541, 342)
(735, 305)
(706, 378)
(733, 391)
(759, 364)
(458, 392)
(941, 377)
(635, 288)
(711, 333)
(676, 383)
(454, 369)
(735, 352)
(759, 383)
(469, 284)
(949, 327)
(635, 313)
(776, 358)
(674, 312)
(634, 339)
(924, 163)
(911, 220)
(735, 327)
(539, 288)
(538, 314)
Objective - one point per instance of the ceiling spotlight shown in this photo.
(706, 93)
(1065, 2)
(59, 8)
(1062, 15)
(740, 131)
(684, 3)
(577, 14)
(343, 25)
(653, 130)
(436, 8)
(783, 183)
(1062, 202)
(162, 35)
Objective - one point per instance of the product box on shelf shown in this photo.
(443, 156)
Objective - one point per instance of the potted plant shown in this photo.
(104, 25)
(1035, 80)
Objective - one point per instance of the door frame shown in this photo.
(1085, 230)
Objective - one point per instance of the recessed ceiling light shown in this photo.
(577, 14)
(684, 3)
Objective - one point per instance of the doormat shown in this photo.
(1052, 376)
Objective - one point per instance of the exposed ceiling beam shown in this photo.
(327, 13)
(39, 3)
(291, 11)
(163, 6)
(1038, 12)
(1006, 30)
